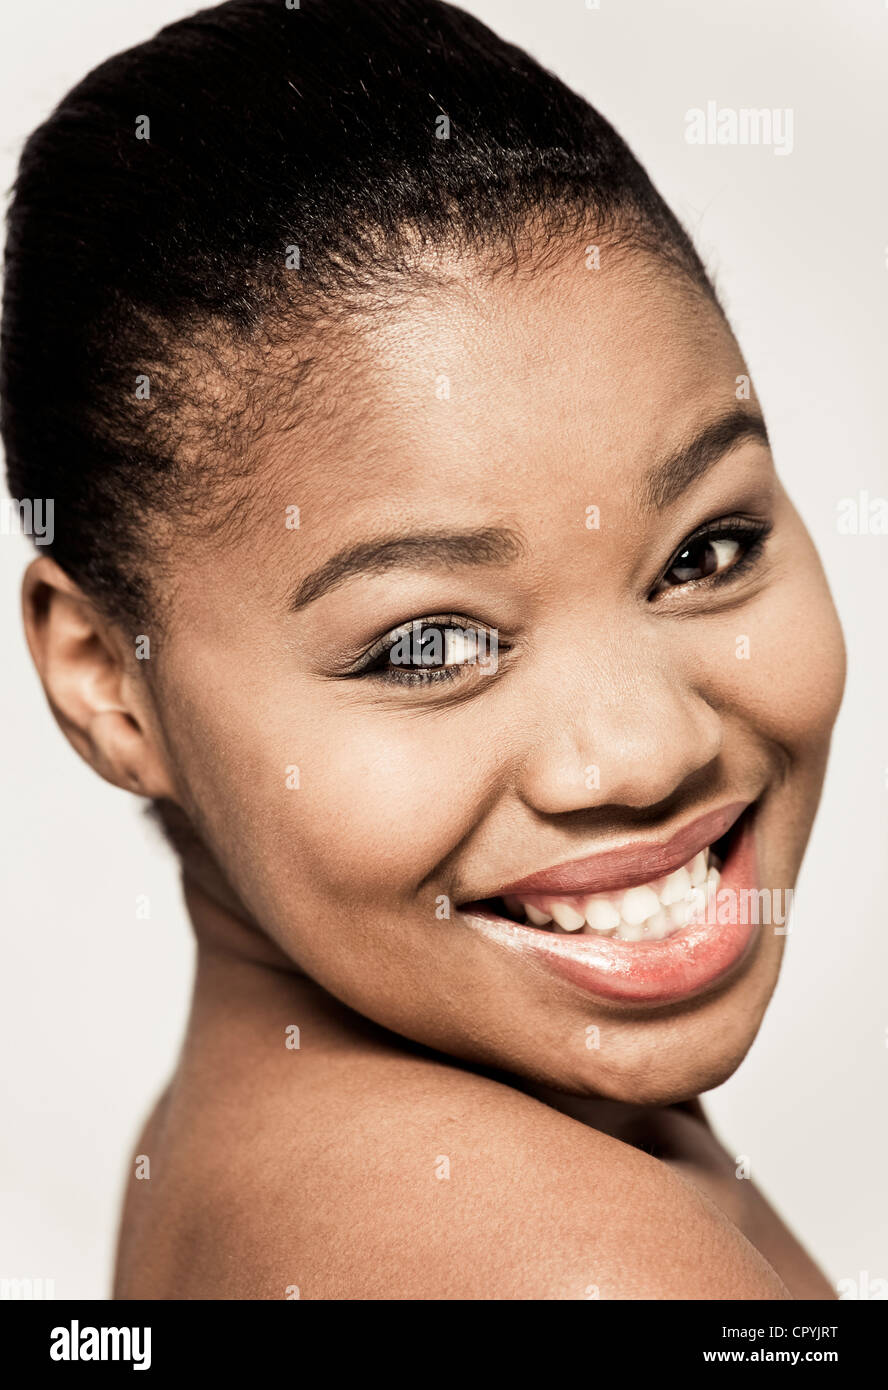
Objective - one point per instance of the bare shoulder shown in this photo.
(381, 1174)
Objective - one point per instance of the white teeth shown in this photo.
(698, 868)
(658, 927)
(676, 887)
(535, 917)
(696, 901)
(601, 914)
(638, 904)
(567, 917)
(631, 931)
(638, 914)
(680, 913)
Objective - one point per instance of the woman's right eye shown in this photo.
(428, 650)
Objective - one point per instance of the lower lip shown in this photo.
(647, 972)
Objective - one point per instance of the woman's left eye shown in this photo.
(720, 551)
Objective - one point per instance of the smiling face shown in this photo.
(558, 438)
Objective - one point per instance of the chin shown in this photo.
(667, 1086)
(667, 1068)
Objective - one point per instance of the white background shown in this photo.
(92, 1000)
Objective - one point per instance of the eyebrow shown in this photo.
(495, 545)
(489, 545)
(670, 478)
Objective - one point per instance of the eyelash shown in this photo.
(751, 534)
(423, 675)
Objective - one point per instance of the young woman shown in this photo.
(420, 557)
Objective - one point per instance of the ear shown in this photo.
(88, 669)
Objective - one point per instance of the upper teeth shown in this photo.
(648, 912)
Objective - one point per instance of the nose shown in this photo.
(625, 725)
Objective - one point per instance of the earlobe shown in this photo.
(97, 701)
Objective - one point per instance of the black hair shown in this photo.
(293, 160)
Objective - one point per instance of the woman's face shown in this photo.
(526, 457)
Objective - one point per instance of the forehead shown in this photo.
(480, 396)
(563, 371)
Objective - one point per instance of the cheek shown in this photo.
(388, 787)
(775, 669)
(797, 663)
(311, 798)
(780, 661)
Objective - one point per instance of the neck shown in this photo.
(228, 936)
(224, 929)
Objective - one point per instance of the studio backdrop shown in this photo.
(765, 126)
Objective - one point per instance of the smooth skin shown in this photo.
(516, 402)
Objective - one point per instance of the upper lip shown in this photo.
(629, 865)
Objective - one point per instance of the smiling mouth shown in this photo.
(651, 911)
(647, 934)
